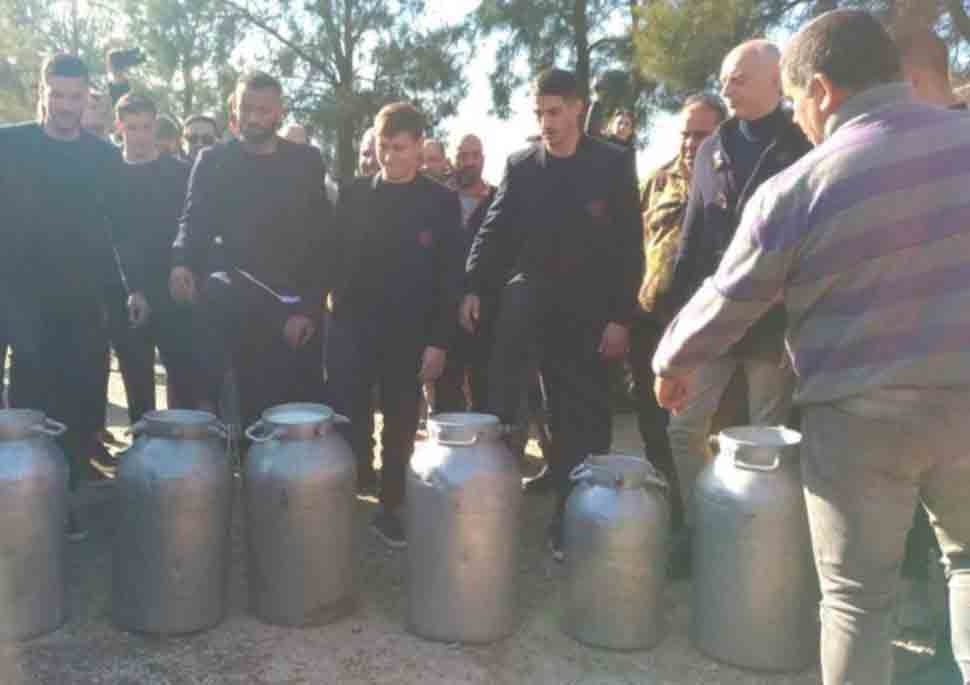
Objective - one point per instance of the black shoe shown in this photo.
(74, 530)
(540, 483)
(388, 527)
(554, 540)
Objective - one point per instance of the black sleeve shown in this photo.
(448, 273)
(316, 268)
(485, 266)
(683, 281)
(115, 284)
(197, 226)
(628, 229)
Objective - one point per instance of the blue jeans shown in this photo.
(866, 462)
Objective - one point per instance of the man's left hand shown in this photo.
(615, 341)
(672, 392)
(298, 330)
(138, 309)
(432, 364)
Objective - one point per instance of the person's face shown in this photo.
(367, 158)
(434, 162)
(167, 146)
(199, 134)
(696, 124)
(259, 113)
(750, 85)
(64, 100)
(623, 126)
(809, 105)
(399, 156)
(469, 162)
(138, 135)
(558, 119)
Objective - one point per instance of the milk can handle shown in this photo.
(252, 432)
(50, 428)
(458, 443)
(220, 430)
(764, 468)
(586, 471)
(340, 418)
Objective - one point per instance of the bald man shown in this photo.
(926, 65)
(434, 161)
(367, 157)
(757, 142)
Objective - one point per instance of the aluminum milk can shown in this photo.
(615, 532)
(33, 512)
(172, 546)
(300, 499)
(464, 494)
(754, 600)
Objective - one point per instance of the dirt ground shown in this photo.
(371, 646)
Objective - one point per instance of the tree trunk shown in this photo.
(581, 37)
(188, 91)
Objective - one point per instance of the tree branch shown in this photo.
(246, 15)
(958, 14)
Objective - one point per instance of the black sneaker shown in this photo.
(74, 530)
(388, 527)
(554, 540)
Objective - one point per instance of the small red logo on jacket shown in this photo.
(597, 209)
(426, 238)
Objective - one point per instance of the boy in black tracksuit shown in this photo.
(395, 301)
(565, 225)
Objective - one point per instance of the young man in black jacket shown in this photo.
(399, 239)
(58, 273)
(562, 243)
(250, 252)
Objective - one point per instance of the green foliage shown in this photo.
(681, 44)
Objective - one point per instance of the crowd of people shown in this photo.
(806, 251)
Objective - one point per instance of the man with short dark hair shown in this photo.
(168, 137)
(199, 131)
(394, 302)
(866, 243)
(151, 198)
(250, 254)
(561, 243)
(58, 273)
(663, 203)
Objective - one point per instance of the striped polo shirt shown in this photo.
(866, 241)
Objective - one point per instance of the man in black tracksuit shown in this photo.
(151, 199)
(395, 301)
(565, 224)
(58, 273)
(256, 205)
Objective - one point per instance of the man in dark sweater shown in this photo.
(152, 196)
(250, 253)
(562, 243)
(759, 141)
(394, 302)
(58, 273)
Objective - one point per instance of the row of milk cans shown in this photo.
(753, 600)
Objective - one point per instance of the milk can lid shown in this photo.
(463, 428)
(178, 423)
(298, 413)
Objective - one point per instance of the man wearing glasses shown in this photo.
(200, 131)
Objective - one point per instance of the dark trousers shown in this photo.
(170, 331)
(58, 357)
(362, 353)
(652, 418)
(468, 359)
(533, 332)
(239, 323)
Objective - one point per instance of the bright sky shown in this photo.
(502, 138)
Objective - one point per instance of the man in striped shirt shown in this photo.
(866, 242)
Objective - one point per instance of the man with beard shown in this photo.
(434, 161)
(152, 196)
(394, 302)
(469, 353)
(663, 202)
(561, 243)
(367, 158)
(58, 273)
(200, 131)
(260, 200)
